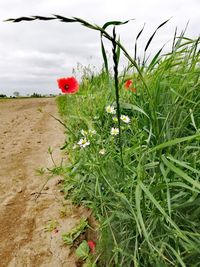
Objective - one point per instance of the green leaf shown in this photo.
(133, 107)
(180, 173)
(162, 211)
(103, 51)
(183, 164)
(155, 60)
(192, 119)
(183, 185)
(88, 263)
(83, 250)
(136, 41)
(150, 39)
(118, 51)
(69, 237)
(64, 146)
(63, 19)
(43, 18)
(176, 255)
(138, 195)
(174, 142)
(164, 173)
(136, 108)
(114, 22)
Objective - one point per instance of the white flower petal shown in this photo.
(102, 151)
(110, 109)
(114, 131)
(125, 118)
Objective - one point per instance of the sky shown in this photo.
(33, 55)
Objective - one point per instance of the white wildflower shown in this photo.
(115, 119)
(125, 118)
(83, 142)
(114, 131)
(92, 132)
(102, 151)
(110, 109)
(83, 132)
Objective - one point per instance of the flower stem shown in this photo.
(115, 66)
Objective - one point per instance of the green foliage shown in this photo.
(36, 95)
(70, 237)
(2, 96)
(82, 252)
(51, 225)
(148, 209)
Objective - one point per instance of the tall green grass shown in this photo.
(143, 183)
(148, 209)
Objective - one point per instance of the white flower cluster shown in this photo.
(110, 110)
(125, 118)
(89, 132)
(114, 131)
(83, 142)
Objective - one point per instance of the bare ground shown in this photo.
(26, 218)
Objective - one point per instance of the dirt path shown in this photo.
(26, 221)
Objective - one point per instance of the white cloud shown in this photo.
(34, 54)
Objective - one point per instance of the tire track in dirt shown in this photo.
(25, 135)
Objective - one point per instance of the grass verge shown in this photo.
(147, 207)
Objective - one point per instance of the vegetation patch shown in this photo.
(132, 140)
(142, 186)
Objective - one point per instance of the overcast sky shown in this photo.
(34, 54)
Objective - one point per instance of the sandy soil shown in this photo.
(26, 218)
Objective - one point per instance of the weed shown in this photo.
(70, 237)
(51, 225)
(66, 211)
(40, 171)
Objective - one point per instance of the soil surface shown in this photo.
(33, 213)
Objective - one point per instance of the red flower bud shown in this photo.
(92, 246)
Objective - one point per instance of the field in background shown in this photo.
(30, 202)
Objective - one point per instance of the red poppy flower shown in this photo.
(92, 246)
(68, 85)
(128, 84)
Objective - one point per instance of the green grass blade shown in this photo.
(138, 194)
(176, 255)
(174, 142)
(155, 60)
(114, 23)
(118, 51)
(151, 38)
(180, 173)
(103, 51)
(162, 211)
(137, 37)
(133, 107)
(183, 164)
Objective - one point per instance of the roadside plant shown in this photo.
(139, 169)
(68, 85)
